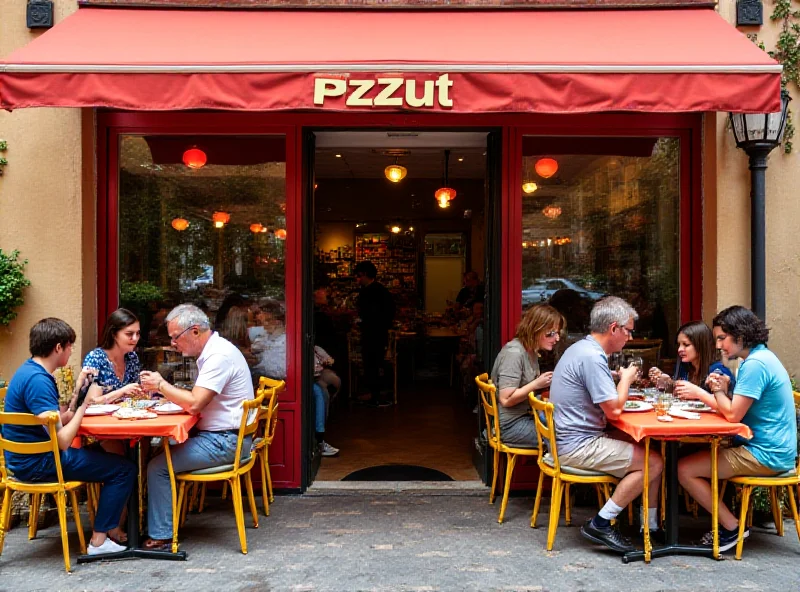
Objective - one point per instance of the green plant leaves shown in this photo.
(12, 283)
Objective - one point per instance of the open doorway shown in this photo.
(399, 302)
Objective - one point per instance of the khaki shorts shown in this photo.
(742, 462)
(603, 454)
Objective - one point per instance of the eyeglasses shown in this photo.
(179, 335)
(628, 332)
(551, 334)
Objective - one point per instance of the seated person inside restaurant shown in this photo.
(473, 291)
(697, 358)
(223, 385)
(33, 390)
(762, 400)
(585, 397)
(325, 380)
(516, 373)
(268, 340)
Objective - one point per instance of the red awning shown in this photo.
(460, 61)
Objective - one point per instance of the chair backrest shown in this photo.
(47, 446)
(249, 425)
(797, 414)
(488, 393)
(3, 473)
(545, 430)
(269, 405)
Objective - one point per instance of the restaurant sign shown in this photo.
(385, 92)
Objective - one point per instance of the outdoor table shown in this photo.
(711, 427)
(108, 427)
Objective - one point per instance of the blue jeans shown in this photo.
(321, 400)
(206, 449)
(116, 473)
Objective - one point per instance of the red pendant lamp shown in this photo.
(194, 158)
(280, 234)
(546, 167)
(180, 224)
(444, 195)
(220, 219)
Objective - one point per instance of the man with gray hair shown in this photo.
(585, 397)
(223, 385)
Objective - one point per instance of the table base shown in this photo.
(669, 550)
(135, 554)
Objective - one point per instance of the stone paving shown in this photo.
(395, 541)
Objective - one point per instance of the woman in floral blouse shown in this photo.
(115, 360)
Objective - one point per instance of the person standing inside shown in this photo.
(376, 310)
(223, 385)
(585, 398)
(33, 390)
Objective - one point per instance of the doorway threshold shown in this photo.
(455, 488)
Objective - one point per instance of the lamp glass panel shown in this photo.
(215, 266)
(756, 126)
(739, 132)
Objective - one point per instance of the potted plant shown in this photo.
(12, 283)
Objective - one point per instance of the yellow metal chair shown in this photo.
(59, 489)
(790, 480)
(488, 393)
(562, 476)
(269, 418)
(230, 473)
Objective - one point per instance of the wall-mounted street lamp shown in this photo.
(758, 134)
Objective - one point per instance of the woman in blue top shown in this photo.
(116, 361)
(762, 400)
(697, 358)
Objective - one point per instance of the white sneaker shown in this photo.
(107, 547)
(328, 450)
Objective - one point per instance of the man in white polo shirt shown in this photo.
(223, 385)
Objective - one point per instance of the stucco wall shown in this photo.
(44, 212)
(731, 274)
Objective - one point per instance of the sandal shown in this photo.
(158, 545)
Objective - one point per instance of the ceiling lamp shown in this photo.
(396, 230)
(546, 167)
(220, 219)
(395, 173)
(180, 224)
(552, 212)
(280, 234)
(444, 195)
(529, 187)
(256, 228)
(194, 158)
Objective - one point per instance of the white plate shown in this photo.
(686, 406)
(640, 406)
(100, 410)
(168, 409)
(675, 412)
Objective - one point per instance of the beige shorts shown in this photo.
(742, 462)
(601, 454)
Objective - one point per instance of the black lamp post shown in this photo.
(758, 134)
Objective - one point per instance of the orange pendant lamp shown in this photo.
(444, 195)
(220, 219)
(280, 234)
(546, 167)
(256, 228)
(180, 224)
(194, 158)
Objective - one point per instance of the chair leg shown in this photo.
(722, 486)
(567, 512)
(202, 501)
(90, 503)
(224, 490)
(599, 491)
(555, 511)
(777, 514)
(238, 510)
(495, 469)
(511, 460)
(746, 489)
(195, 495)
(177, 504)
(269, 476)
(264, 488)
(792, 505)
(251, 498)
(538, 500)
(34, 504)
(5, 517)
(61, 504)
(76, 514)
(394, 366)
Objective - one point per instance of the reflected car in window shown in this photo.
(543, 289)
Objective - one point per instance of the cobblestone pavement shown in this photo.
(388, 542)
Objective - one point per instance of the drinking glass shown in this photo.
(661, 405)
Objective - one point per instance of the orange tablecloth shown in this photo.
(644, 424)
(167, 426)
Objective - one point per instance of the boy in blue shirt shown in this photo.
(762, 400)
(33, 390)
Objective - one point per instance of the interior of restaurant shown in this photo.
(203, 219)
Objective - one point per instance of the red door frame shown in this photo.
(285, 456)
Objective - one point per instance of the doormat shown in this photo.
(397, 473)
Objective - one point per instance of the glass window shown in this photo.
(202, 220)
(600, 216)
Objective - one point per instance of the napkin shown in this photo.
(678, 412)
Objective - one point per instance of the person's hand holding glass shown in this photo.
(717, 381)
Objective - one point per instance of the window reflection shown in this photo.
(202, 220)
(605, 222)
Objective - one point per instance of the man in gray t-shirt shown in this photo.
(585, 397)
